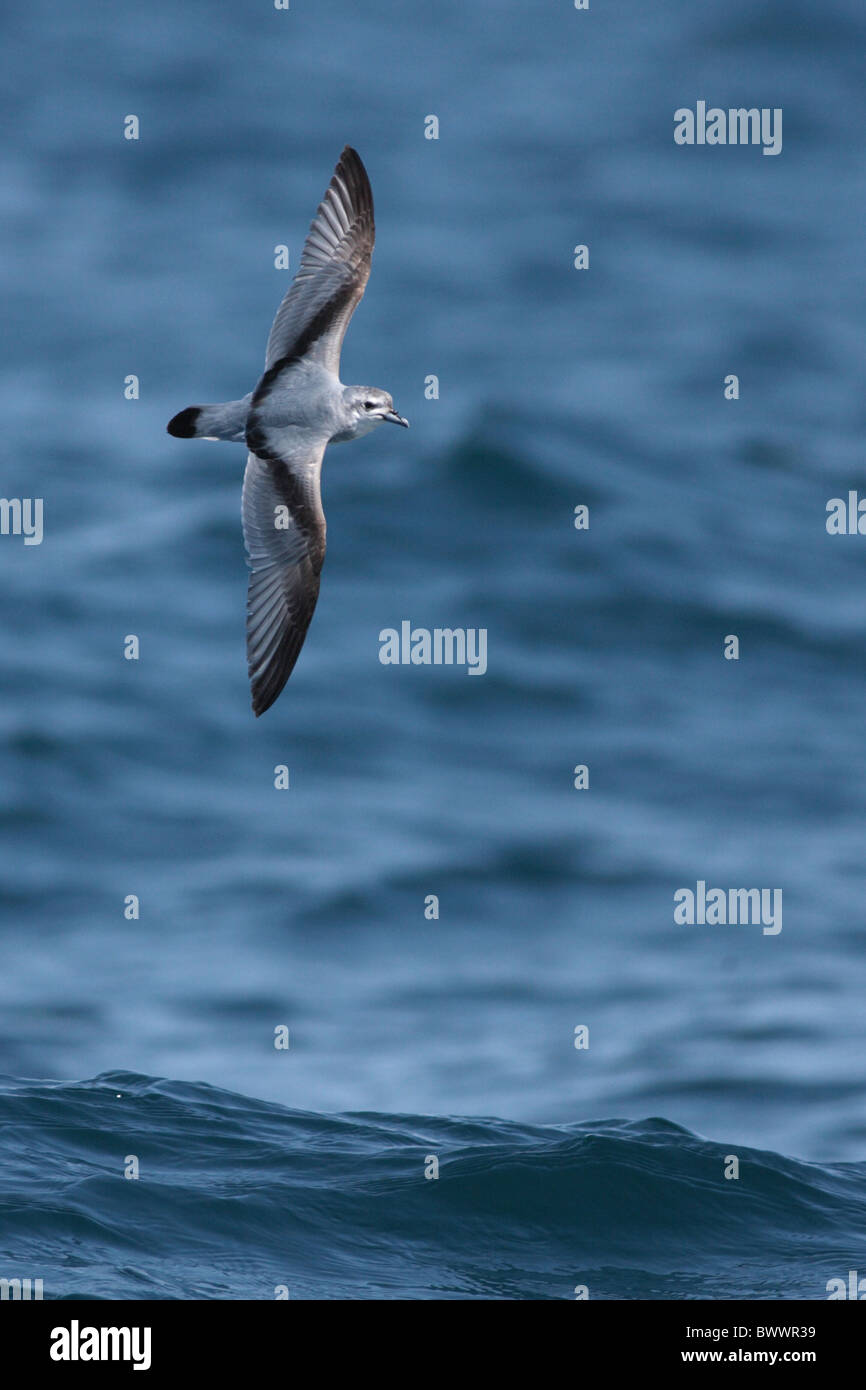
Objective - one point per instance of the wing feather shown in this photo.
(333, 273)
(284, 533)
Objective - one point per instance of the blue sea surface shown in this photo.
(304, 909)
(237, 1198)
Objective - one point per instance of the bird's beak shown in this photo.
(396, 419)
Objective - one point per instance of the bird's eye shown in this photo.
(369, 405)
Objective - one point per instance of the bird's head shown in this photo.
(367, 407)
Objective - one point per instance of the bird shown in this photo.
(298, 408)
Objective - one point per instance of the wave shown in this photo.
(238, 1198)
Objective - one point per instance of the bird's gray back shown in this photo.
(295, 413)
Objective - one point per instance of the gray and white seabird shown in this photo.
(298, 408)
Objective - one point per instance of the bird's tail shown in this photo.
(225, 421)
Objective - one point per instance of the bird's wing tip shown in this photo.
(350, 159)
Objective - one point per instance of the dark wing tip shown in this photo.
(183, 425)
(350, 168)
(270, 684)
(351, 159)
(261, 703)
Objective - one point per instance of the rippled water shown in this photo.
(241, 1199)
(305, 908)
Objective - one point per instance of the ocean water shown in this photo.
(304, 909)
(242, 1199)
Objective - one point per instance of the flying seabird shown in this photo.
(299, 407)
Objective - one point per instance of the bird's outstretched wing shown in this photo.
(284, 532)
(334, 269)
